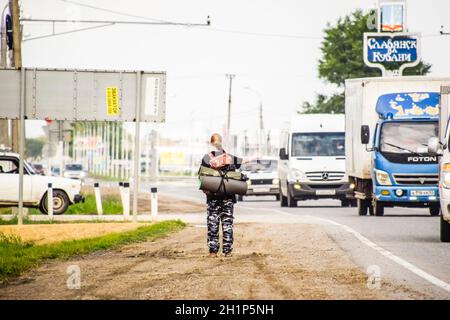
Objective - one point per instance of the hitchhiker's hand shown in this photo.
(249, 159)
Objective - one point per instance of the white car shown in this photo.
(65, 191)
(262, 177)
(74, 171)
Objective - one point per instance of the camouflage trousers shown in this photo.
(220, 211)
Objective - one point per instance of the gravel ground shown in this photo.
(270, 261)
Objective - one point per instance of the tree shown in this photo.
(324, 104)
(342, 58)
(34, 147)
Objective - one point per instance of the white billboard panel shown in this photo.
(83, 95)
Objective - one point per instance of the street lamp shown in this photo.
(261, 123)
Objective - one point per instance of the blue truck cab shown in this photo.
(403, 173)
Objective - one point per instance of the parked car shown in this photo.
(38, 168)
(263, 178)
(74, 171)
(65, 191)
(55, 171)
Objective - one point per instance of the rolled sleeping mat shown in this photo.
(229, 186)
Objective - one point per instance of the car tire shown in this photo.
(60, 203)
(378, 208)
(345, 203)
(445, 230)
(277, 197)
(240, 197)
(362, 207)
(283, 199)
(291, 202)
(434, 209)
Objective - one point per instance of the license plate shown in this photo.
(419, 193)
(261, 189)
(325, 192)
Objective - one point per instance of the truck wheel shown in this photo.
(435, 209)
(292, 203)
(378, 208)
(362, 206)
(60, 203)
(445, 230)
(345, 203)
(283, 199)
(240, 197)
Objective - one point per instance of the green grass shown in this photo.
(111, 205)
(17, 256)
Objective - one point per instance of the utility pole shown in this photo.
(261, 122)
(17, 63)
(228, 141)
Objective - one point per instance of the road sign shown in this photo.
(112, 101)
(84, 95)
(383, 49)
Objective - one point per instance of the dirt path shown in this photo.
(271, 261)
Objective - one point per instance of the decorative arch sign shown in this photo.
(383, 49)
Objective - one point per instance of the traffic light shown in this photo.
(9, 31)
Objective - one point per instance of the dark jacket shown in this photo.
(235, 165)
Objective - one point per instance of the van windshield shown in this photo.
(318, 144)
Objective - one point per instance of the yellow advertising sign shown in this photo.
(172, 158)
(112, 101)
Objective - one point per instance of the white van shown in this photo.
(312, 160)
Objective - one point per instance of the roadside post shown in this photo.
(121, 192)
(154, 204)
(137, 145)
(21, 145)
(126, 200)
(50, 202)
(98, 198)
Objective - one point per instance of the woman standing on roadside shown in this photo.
(220, 208)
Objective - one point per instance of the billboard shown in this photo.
(84, 95)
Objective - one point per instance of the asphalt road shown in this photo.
(404, 244)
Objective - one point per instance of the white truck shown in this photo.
(388, 124)
(65, 191)
(312, 160)
(439, 146)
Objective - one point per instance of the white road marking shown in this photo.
(405, 264)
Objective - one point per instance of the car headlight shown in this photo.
(446, 175)
(297, 175)
(275, 181)
(383, 178)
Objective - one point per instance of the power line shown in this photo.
(112, 11)
(240, 32)
(260, 34)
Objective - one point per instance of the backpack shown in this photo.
(220, 161)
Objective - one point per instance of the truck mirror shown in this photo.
(283, 154)
(433, 145)
(365, 134)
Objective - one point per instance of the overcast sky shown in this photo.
(283, 69)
